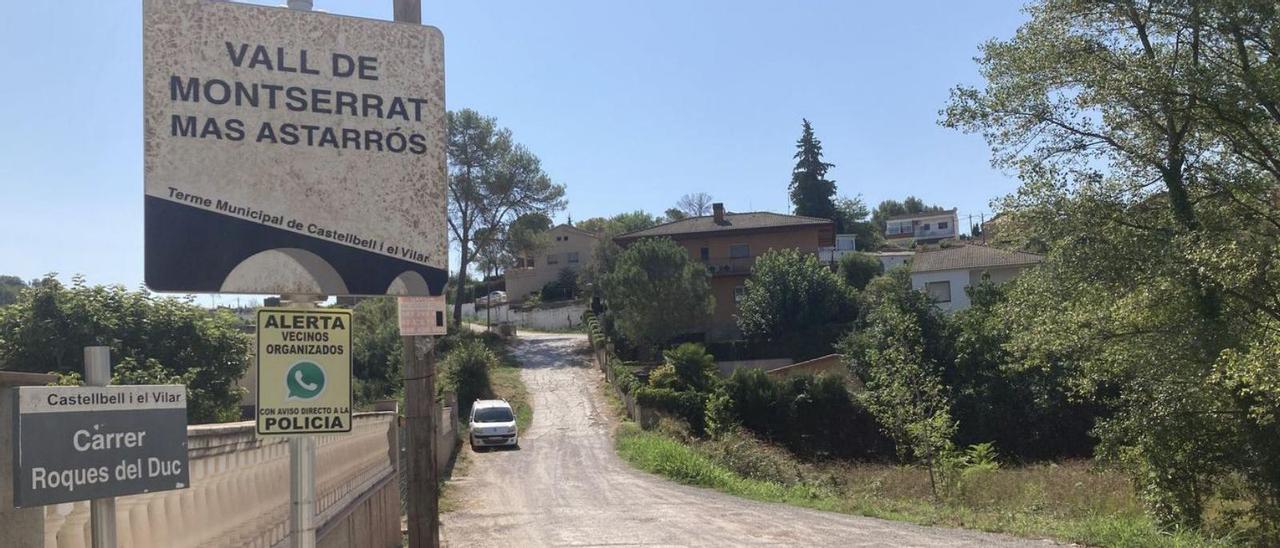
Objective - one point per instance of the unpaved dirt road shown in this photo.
(565, 486)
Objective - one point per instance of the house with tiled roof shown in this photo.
(945, 273)
(729, 243)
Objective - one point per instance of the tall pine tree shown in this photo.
(811, 193)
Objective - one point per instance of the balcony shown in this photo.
(729, 266)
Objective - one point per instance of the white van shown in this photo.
(493, 424)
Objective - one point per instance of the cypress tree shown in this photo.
(811, 193)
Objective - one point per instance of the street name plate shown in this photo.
(292, 152)
(422, 316)
(304, 371)
(80, 443)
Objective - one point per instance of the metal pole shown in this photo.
(302, 464)
(302, 491)
(102, 512)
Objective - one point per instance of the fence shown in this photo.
(239, 493)
(602, 355)
(562, 317)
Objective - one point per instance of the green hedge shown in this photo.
(624, 376)
(690, 406)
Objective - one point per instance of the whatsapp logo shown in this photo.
(305, 380)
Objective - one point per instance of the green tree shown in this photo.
(605, 252)
(892, 208)
(858, 269)
(151, 338)
(1029, 412)
(631, 222)
(792, 292)
(527, 235)
(851, 218)
(899, 354)
(673, 214)
(657, 293)
(376, 352)
(1147, 132)
(10, 287)
(492, 181)
(811, 192)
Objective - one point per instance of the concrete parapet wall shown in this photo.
(239, 494)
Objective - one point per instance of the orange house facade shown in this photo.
(729, 244)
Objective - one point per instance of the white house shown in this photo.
(845, 244)
(928, 227)
(945, 273)
(893, 259)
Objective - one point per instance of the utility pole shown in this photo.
(420, 403)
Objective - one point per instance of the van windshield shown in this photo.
(493, 414)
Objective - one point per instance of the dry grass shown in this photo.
(1070, 501)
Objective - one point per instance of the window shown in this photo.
(573, 257)
(894, 228)
(705, 253)
(553, 259)
(924, 226)
(739, 251)
(493, 414)
(942, 225)
(738, 293)
(938, 291)
(528, 263)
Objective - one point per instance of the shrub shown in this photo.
(624, 377)
(857, 269)
(689, 406)
(465, 370)
(812, 416)
(720, 419)
(688, 367)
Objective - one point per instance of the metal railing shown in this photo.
(720, 266)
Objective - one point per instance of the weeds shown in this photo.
(1069, 502)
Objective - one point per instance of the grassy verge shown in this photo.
(1066, 502)
(504, 383)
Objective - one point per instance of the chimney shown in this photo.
(718, 210)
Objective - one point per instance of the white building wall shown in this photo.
(959, 280)
(890, 262)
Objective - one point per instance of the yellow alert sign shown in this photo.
(304, 371)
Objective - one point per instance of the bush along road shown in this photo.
(565, 485)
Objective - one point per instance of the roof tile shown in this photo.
(732, 221)
(970, 256)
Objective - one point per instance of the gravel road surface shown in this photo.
(565, 486)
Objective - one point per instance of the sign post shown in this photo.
(102, 511)
(98, 442)
(298, 153)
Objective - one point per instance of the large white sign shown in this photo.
(292, 152)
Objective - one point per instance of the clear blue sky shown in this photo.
(629, 104)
